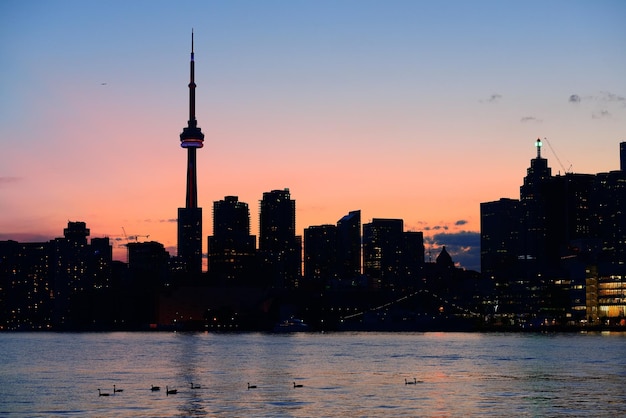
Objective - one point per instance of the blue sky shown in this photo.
(417, 110)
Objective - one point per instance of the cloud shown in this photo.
(460, 222)
(8, 180)
(492, 99)
(606, 96)
(530, 119)
(601, 114)
(463, 246)
(574, 98)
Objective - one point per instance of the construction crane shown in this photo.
(569, 170)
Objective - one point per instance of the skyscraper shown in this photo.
(231, 249)
(279, 247)
(349, 246)
(190, 217)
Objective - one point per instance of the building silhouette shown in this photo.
(320, 255)
(391, 257)
(190, 217)
(556, 254)
(332, 253)
(349, 253)
(231, 249)
(280, 249)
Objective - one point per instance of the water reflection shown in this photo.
(340, 374)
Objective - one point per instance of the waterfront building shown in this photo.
(231, 249)
(389, 253)
(280, 249)
(349, 247)
(320, 255)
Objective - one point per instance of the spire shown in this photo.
(192, 136)
(538, 145)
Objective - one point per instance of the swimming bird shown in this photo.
(251, 386)
(155, 388)
(296, 386)
(408, 382)
(169, 391)
(100, 393)
(117, 390)
(194, 386)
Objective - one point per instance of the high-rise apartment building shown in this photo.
(231, 249)
(280, 250)
(349, 246)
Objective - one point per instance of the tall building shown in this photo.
(622, 156)
(231, 249)
(320, 254)
(190, 217)
(280, 250)
(349, 246)
(391, 257)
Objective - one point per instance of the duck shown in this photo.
(117, 390)
(251, 386)
(155, 388)
(194, 386)
(100, 393)
(169, 391)
(296, 385)
(408, 382)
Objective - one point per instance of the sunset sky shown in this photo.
(419, 110)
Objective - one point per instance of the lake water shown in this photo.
(343, 374)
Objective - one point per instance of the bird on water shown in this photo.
(296, 385)
(155, 388)
(194, 386)
(115, 390)
(169, 391)
(100, 393)
(251, 386)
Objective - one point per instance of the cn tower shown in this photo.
(190, 217)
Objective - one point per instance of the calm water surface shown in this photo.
(343, 374)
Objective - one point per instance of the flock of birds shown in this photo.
(169, 391)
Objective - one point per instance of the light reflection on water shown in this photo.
(344, 374)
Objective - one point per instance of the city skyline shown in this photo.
(408, 110)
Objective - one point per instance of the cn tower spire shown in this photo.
(192, 137)
(190, 217)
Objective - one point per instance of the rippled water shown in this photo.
(343, 374)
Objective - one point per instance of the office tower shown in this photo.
(280, 249)
(622, 156)
(533, 206)
(320, 255)
(389, 253)
(231, 249)
(190, 217)
(500, 239)
(500, 249)
(349, 246)
(609, 203)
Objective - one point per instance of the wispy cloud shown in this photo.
(530, 119)
(601, 114)
(8, 180)
(460, 222)
(492, 99)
